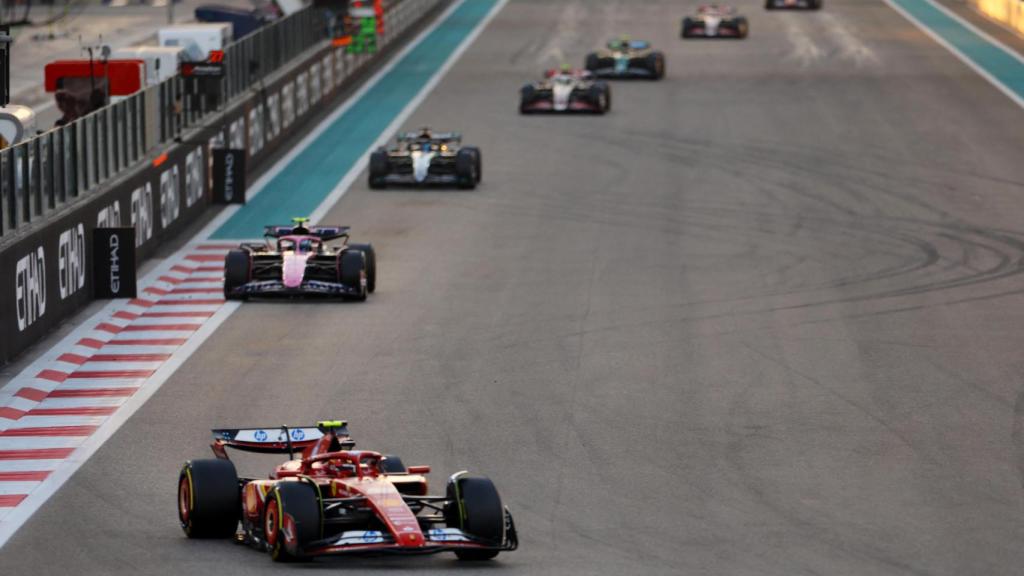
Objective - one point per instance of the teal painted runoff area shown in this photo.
(1004, 67)
(304, 183)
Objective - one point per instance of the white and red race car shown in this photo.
(714, 21)
(566, 91)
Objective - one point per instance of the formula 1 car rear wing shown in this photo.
(325, 233)
(279, 440)
(434, 136)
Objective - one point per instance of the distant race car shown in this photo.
(298, 261)
(566, 90)
(625, 58)
(333, 499)
(713, 21)
(805, 4)
(426, 157)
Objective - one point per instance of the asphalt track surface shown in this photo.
(763, 318)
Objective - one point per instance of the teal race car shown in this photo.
(626, 58)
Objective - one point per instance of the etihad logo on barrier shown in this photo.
(30, 288)
(115, 264)
(71, 261)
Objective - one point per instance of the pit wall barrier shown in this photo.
(159, 188)
(1009, 12)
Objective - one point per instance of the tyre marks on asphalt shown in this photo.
(850, 46)
(804, 50)
(825, 37)
(567, 33)
(848, 209)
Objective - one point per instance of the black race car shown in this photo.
(625, 58)
(566, 91)
(298, 261)
(713, 21)
(805, 4)
(425, 157)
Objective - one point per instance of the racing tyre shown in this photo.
(291, 520)
(391, 464)
(600, 96)
(236, 273)
(378, 168)
(593, 62)
(769, 4)
(656, 63)
(526, 95)
(476, 509)
(687, 24)
(371, 264)
(352, 269)
(465, 169)
(209, 499)
(478, 165)
(742, 28)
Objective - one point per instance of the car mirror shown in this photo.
(419, 469)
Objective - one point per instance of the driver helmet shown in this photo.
(300, 226)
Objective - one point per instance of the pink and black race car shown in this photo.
(566, 91)
(714, 21)
(298, 260)
(334, 499)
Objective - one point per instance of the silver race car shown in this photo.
(424, 158)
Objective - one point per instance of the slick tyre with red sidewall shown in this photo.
(209, 499)
(371, 264)
(475, 508)
(291, 520)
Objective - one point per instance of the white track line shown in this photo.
(17, 516)
(956, 51)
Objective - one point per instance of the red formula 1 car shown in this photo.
(298, 260)
(337, 500)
